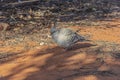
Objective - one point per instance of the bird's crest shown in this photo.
(53, 27)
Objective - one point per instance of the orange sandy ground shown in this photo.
(53, 63)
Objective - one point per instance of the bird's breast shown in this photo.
(62, 37)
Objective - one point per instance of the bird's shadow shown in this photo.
(81, 45)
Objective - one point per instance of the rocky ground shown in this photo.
(97, 60)
(27, 51)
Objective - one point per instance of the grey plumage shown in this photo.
(65, 37)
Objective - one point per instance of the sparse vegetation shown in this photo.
(27, 51)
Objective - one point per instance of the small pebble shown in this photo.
(42, 43)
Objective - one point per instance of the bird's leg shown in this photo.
(68, 48)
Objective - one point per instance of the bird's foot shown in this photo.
(68, 49)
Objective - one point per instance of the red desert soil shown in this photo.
(53, 63)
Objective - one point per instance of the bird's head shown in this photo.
(53, 27)
(52, 30)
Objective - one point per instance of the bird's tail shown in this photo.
(83, 38)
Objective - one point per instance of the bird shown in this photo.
(65, 37)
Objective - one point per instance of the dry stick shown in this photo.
(16, 4)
